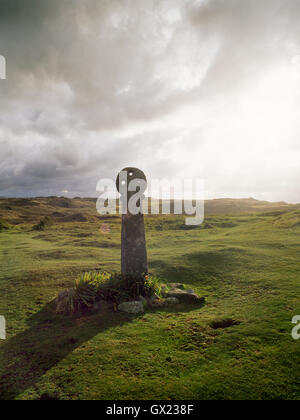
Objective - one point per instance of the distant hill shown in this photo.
(245, 205)
(30, 210)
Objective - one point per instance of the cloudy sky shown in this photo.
(180, 88)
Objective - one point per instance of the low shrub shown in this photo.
(43, 223)
(4, 225)
(92, 287)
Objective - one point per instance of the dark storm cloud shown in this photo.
(95, 85)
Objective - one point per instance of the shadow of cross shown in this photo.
(29, 355)
(131, 184)
(49, 339)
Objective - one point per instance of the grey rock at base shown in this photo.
(134, 307)
(172, 301)
(185, 296)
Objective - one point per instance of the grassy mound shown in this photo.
(91, 287)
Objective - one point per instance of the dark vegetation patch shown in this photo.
(97, 244)
(48, 396)
(57, 214)
(24, 202)
(4, 225)
(92, 287)
(43, 224)
(274, 213)
(82, 235)
(60, 202)
(223, 323)
(54, 255)
(108, 217)
(45, 237)
(227, 225)
(189, 227)
(76, 217)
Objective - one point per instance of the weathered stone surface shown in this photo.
(133, 250)
(134, 254)
(184, 296)
(172, 301)
(134, 307)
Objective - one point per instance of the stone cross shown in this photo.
(134, 262)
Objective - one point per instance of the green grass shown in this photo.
(245, 264)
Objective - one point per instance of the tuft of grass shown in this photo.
(90, 287)
(152, 286)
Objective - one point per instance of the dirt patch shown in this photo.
(223, 323)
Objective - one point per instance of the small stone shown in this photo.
(171, 301)
(190, 291)
(184, 296)
(134, 307)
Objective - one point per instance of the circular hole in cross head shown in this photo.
(130, 174)
(123, 182)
